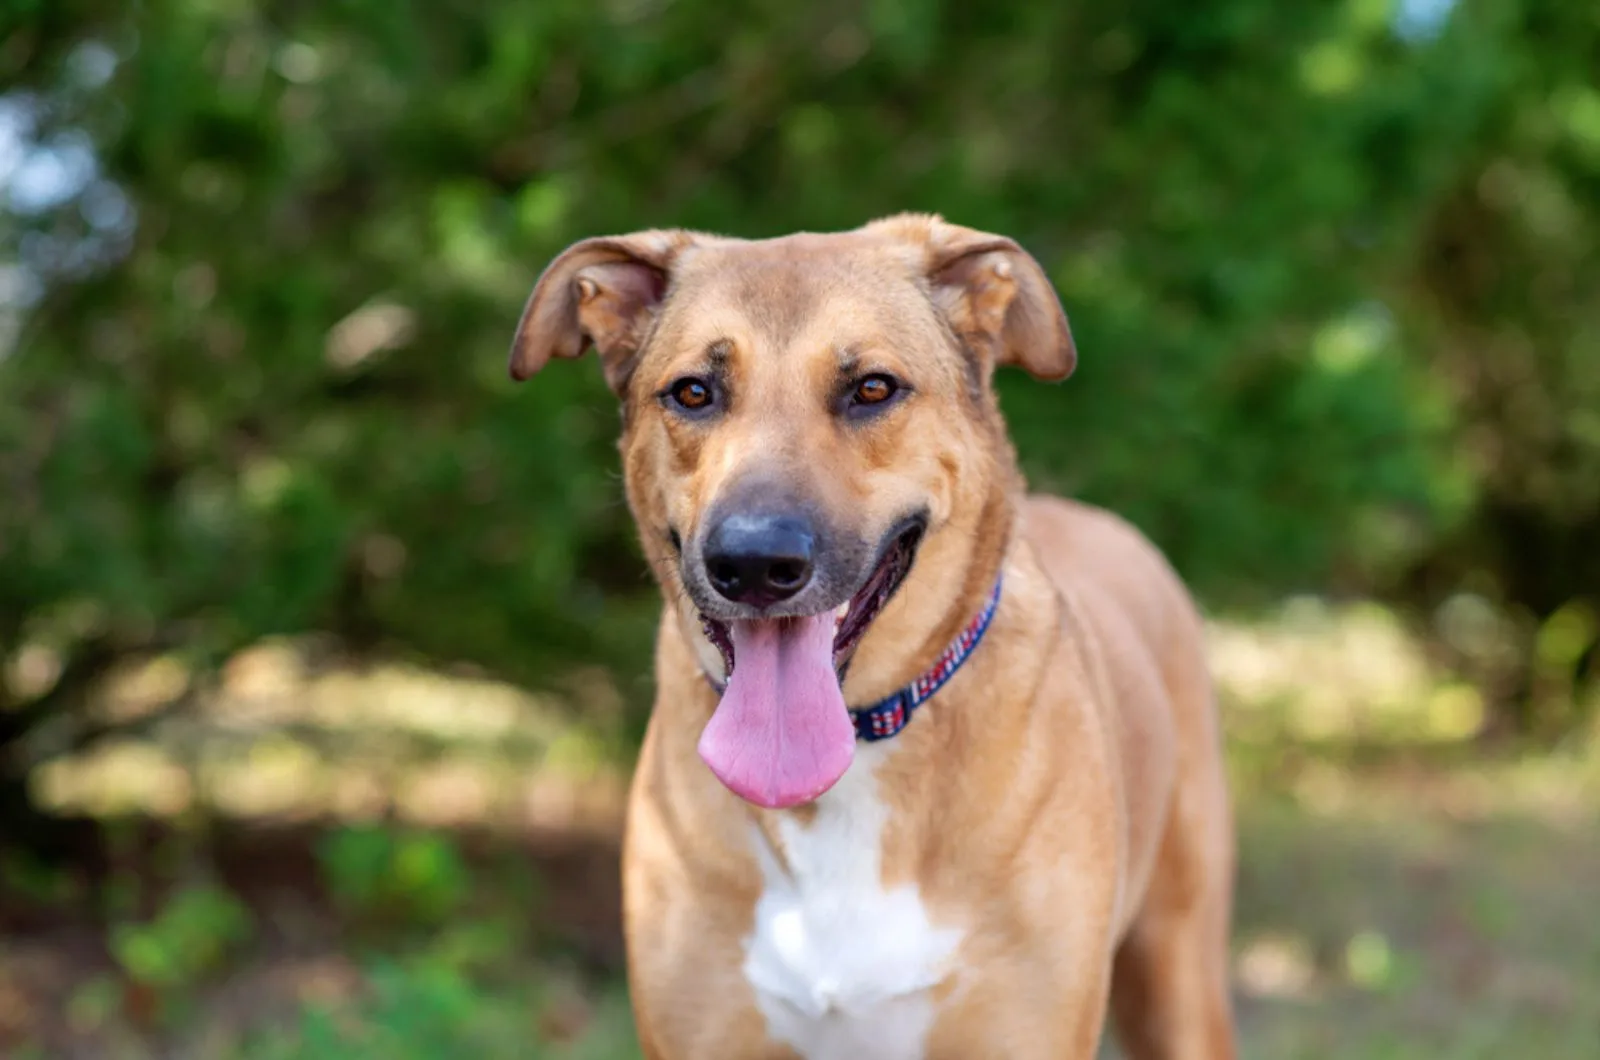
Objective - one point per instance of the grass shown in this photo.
(1373, 933)
(1400, 894)
(425, 1008)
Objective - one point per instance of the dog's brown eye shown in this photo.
(873, 390)
(692, 394)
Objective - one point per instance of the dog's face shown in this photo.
(802, 415)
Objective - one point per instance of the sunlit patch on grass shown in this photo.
(1316, 672)
(1275, 965)
(282, 740)
(32, 670)
(120, 776)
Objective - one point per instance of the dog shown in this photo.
(934, 766)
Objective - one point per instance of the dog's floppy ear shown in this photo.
(995, 295)
(603, 292)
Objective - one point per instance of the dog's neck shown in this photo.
(961, 729)
(952, 580)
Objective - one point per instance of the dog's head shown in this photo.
(804, 418)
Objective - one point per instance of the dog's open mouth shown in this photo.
(853, 618)
(782, 734)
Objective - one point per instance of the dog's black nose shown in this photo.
(759, 559)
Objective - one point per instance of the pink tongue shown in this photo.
(781, 735)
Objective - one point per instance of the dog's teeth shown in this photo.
(841, 614)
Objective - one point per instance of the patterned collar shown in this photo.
(887, 717)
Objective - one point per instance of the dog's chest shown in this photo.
(842, 966)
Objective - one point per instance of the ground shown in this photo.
(402, 865)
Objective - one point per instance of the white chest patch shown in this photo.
(841, 966)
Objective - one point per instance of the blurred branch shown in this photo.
(22, 823)
(81, 674)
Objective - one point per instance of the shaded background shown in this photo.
(325, 646)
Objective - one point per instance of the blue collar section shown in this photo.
(887, 717)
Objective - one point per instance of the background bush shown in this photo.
(1331, 267)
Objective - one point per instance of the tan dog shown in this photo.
(826, 493)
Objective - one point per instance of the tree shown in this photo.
(261, 388)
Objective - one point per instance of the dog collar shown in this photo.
(888, 716)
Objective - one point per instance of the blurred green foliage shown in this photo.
(419, 1009)
(1331, 268)
(192, 935)
(392, 876)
